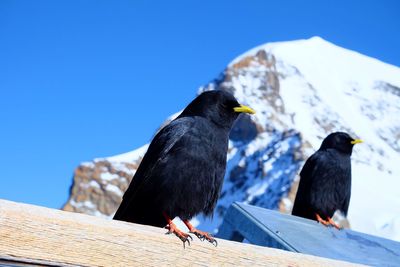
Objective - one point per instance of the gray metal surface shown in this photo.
(273, 229)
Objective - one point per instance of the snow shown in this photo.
(131, 156)
(115, 189)
(88, 164)
(252, 147)
(231, 152)
(89, 207)
(257, 189)
(375, 203)
(92, 184)
(101, 215)
(121, 166)
(86, 204)
(106, 176)
(306, 54)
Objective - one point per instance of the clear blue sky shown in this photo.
(87, 79)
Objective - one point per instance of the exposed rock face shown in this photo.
(302, 91)
(98, 186)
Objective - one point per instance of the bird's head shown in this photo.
(218, 106)
(340, 141)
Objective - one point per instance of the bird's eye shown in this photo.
(225, 105)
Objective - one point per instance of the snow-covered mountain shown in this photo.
(302, 90)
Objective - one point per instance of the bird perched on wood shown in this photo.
(182, 172)
(325, 180)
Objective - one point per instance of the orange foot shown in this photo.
(320, 220)
(328, 222)
(200, 234)
(333, 223)
(172, 229)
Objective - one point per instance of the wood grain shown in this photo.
(43, 236)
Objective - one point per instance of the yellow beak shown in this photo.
(244, 109)
(356, 141)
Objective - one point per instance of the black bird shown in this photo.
(182, 172)
(325, 180)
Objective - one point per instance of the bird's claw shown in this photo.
(205, 236)
(201, 236)
(182, 236)
(186, 239)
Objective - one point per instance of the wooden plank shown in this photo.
(38, 235)
(271, 228)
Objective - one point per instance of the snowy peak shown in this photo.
(310, 54)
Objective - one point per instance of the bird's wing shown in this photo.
(308, 169)
(301, 204)
(345, 206)
(161, 144)
(315, 182)
(347, 194)
(323, 191)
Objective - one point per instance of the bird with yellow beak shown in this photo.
(182, 172)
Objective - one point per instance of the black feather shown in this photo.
(325, 180)
(182, 171)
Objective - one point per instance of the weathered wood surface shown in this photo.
(38, 235)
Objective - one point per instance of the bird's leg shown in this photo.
(172, 229)
(200, 234)
(332, 222)
(319, 219)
